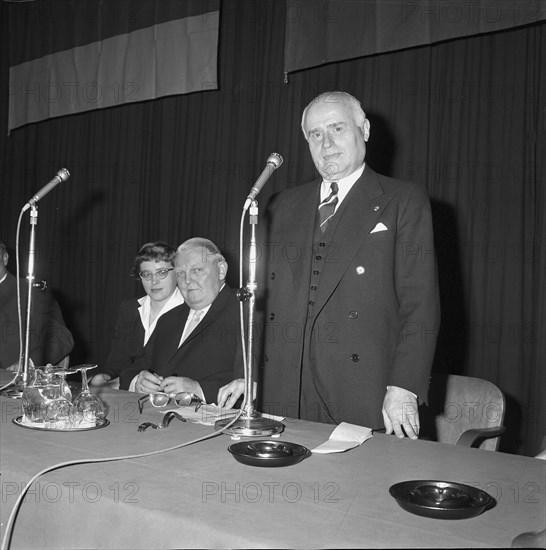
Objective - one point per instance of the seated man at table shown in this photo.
(49, 339)
(137, 318)
(197, 346)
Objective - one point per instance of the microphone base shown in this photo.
(15, 389)
(251, 426)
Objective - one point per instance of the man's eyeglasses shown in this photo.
(162, 399)
(160, 274)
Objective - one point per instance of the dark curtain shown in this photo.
(465, 117)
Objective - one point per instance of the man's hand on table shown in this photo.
(230, 393)
(400, 413)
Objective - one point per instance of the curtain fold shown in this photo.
(464, 117)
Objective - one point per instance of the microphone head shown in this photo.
(64, 174)
(275, 160)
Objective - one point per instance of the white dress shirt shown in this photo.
(344, 184)
(189, 321)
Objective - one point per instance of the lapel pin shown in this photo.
(360, 270)
(375, 208)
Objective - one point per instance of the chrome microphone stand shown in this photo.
(21, 381)
(251, 423)
(30, 279)
(22, 378)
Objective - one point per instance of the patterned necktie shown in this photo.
(197, 315)
(327, 206)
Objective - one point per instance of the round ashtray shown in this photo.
(441, 499)
(268, 453)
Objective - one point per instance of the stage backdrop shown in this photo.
(465, 117)
(322, 31)
(109, 54)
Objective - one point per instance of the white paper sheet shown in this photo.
(346, 436)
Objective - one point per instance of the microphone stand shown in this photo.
(22, 378)
(30, 278)
(21, 381)
(251, 423)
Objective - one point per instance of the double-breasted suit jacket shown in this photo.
(365, 316)
(210, 355)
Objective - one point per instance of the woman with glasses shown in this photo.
(137, 318)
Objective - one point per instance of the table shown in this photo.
(199, 496)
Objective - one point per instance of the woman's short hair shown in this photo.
(153, 252)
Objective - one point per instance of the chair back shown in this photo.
(461, 403)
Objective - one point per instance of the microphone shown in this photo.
(62, 175)
(273, 162)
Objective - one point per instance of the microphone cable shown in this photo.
(6, 541)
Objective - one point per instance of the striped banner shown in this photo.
(171, 48)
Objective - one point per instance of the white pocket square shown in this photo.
(379, 227)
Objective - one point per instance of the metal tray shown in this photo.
(100, 424)
(441, 499)
(267, 453)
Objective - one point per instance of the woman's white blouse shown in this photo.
(145, 308)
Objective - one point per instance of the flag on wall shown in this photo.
(71, 57)
(324, 31)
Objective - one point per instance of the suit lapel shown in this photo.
(167, 346)
(359, 212)
(212, 314)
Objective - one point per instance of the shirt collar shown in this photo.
(205, 309)
(175, 299)
(345, 184)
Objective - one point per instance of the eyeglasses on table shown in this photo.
(161, 399)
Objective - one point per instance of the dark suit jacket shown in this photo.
(212, 353)
(49, 341)
(127, 349)
(376, 311)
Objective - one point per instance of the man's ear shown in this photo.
(366, 130)
(222, 268)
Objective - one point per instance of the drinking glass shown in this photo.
(59, 414)
(46, 397)
(56, 376)
(59, 378)
(36, 398)
(88, 407)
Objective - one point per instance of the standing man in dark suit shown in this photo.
(352, 301)
(197, 345)
(49, 339)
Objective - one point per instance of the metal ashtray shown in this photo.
(441, 499)
(268, 453)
